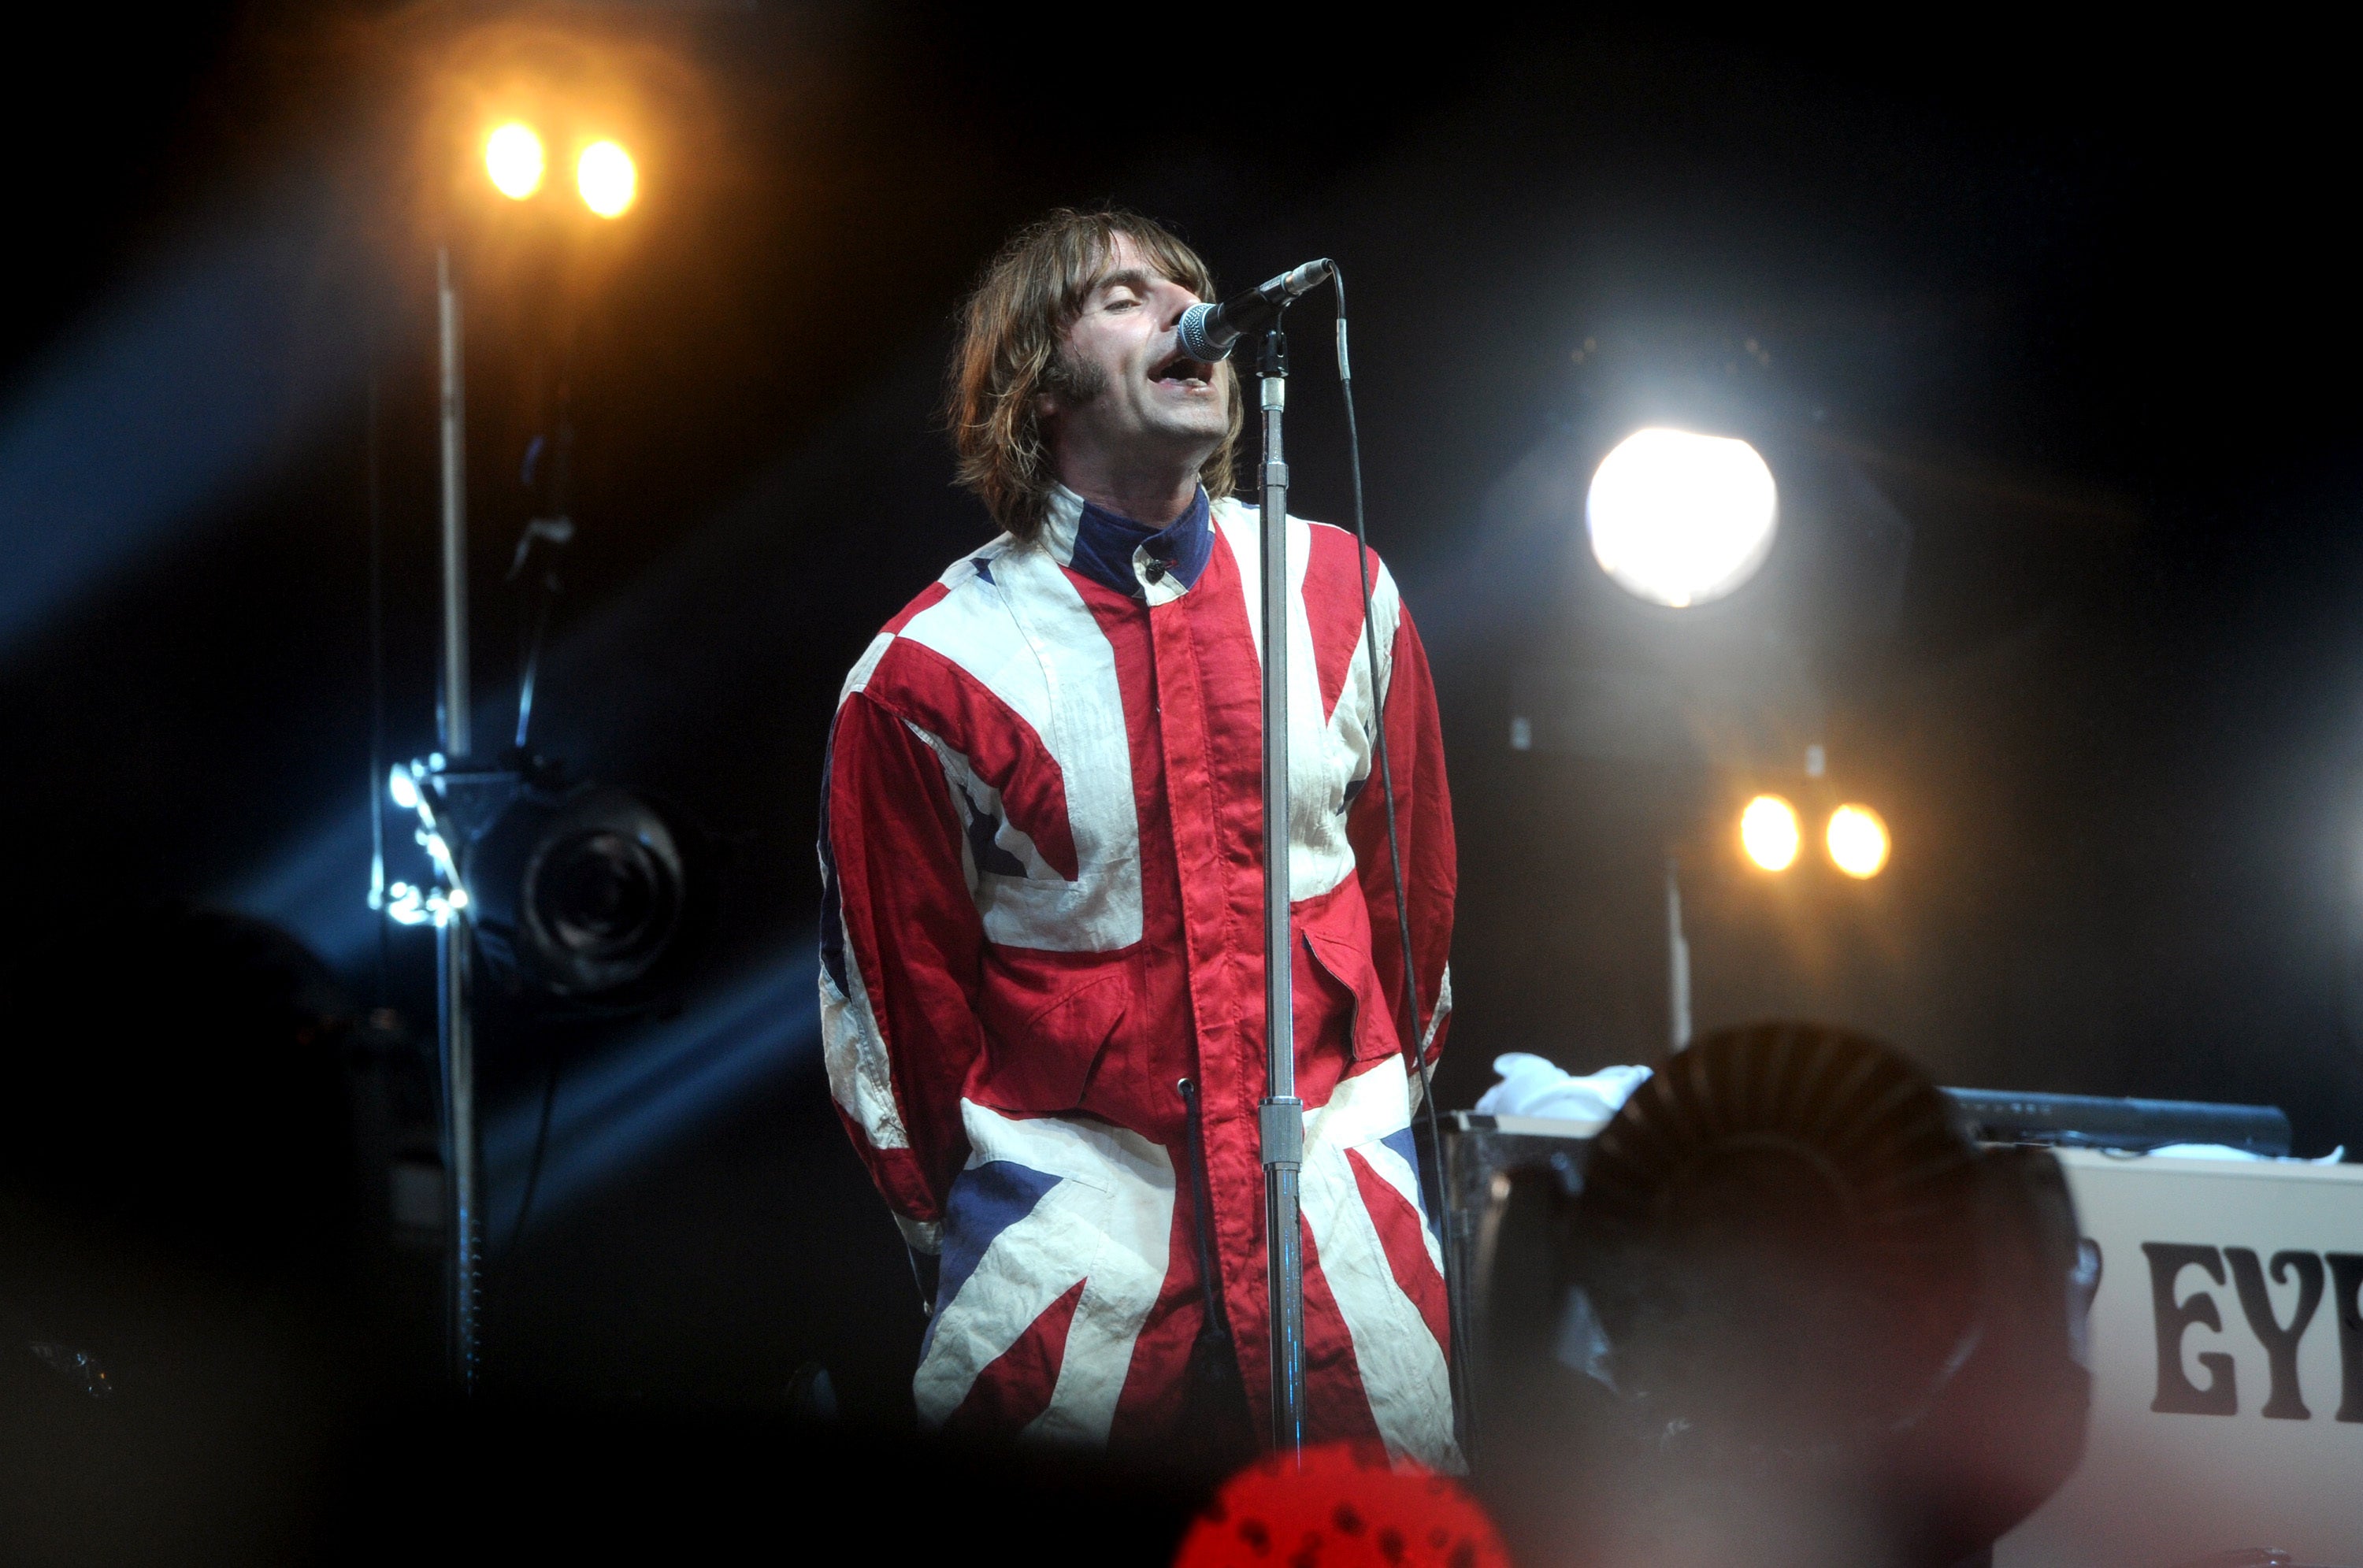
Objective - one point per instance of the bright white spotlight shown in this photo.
(607, 179)
(1770, 833)
(1681, 519)
(1858, 841)
(512, 159)
(401, 788)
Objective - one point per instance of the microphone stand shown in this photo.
(1281, 1114)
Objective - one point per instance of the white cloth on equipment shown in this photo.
(2225, 1151)
(1536, 1085)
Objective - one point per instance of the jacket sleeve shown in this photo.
(902, 949)
(1423, 828)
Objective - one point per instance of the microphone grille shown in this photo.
(1196, 340)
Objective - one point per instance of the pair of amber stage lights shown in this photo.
(517, 162)
(1771, 836)
(1681, 519)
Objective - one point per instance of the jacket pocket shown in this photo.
(1043, 1062)
(1346, 969)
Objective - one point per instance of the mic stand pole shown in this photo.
(455, 1030)
(1281, 1113)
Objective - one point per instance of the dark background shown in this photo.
(2077, 309)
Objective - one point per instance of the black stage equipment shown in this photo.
(591, 895)
(1782, 1271)
(2089, 1122)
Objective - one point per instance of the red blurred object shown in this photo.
(1344, 1507)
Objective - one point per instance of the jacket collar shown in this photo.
(1135, 559)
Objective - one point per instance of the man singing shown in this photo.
(1042, 919)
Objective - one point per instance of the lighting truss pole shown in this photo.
(1677, 960)
(455, 1030)
(1281, 1113)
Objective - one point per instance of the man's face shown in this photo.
(1134, 397)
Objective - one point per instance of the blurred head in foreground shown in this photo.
(1793, 1316)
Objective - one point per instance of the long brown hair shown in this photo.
(1014, 329)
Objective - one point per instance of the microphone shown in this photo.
(1208, 331)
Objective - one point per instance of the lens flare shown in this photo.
(1858, 841)
(1770, 833)
(606, 176)
(1681, 519)
(513, 157)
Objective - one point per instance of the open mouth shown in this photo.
(1178, 369)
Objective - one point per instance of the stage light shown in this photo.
(607, 179)
(1681, 519)
(1858, 841)
(590, 894)
(1770, 833)
(401, 788)
(513, 158)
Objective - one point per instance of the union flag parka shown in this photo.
(1041, 854)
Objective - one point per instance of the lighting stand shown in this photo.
(462, 804)
(1677, 958)
(1281, 1113)
(455, 1016)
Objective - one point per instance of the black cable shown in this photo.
(529, 660)
(557, 528)
(376, 507)
(1413, 1041)
(1201, 1202)
(533, 1168)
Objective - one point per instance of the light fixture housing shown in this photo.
(592, 898)
(1682, 519)
(593, 895)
